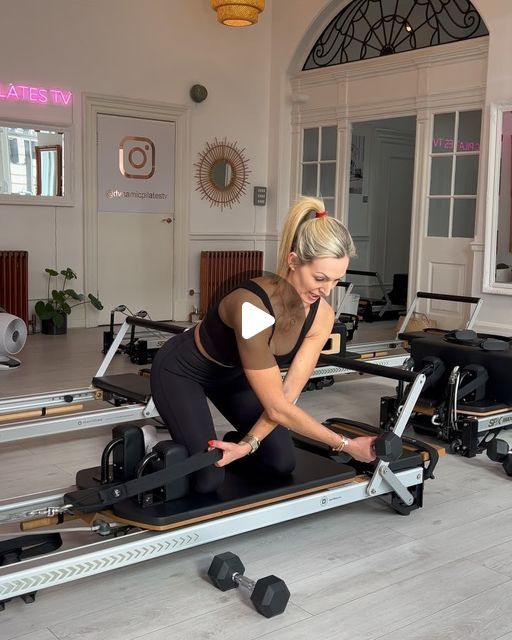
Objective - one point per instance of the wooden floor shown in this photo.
(360, 572)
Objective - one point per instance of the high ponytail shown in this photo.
(311, 234)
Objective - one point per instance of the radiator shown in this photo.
(14, 283)
(220, 271)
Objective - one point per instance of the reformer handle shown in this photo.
(362, 366)
(447, 296)
(153, 324)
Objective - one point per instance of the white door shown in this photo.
(444, 256)
(136, 205)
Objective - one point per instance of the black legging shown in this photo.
(181, 381)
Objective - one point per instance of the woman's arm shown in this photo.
(277, 398)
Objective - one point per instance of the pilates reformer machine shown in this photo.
(139, 506)
(467, 398)
(388, 353)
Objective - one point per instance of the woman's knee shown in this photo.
(283, 464)
(278, 453)
(208, 480)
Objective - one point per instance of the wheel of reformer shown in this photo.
(455, 446)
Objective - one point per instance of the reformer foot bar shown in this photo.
(246, 501)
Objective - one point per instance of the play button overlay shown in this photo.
(258, 305)
(254, 320)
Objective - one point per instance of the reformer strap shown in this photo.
(98, 498)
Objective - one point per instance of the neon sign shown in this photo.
(447, 144)
(35, 95)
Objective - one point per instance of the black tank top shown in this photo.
(219, 340)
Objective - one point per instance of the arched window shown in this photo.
(372, 28)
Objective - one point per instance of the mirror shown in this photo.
(498, 235)
(31, 163)
(221, 173)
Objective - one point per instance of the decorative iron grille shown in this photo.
(371, 28)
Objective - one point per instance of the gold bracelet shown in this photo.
(342, 444)
(252, 441)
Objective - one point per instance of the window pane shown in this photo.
(439, 217)
(441, 176)
(470, 123)
(444, 132)
(310, 150)
(329, 205)
(464, 218)
(309, 180)
(13, 150)
(327, 179)
(466, 175)
(329, 138)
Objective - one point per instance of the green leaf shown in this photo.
(58, 296)
(73, 294)
(95, 302)
(66, 308)
(52, 272)
(58, 319)
(68, 273)
(44, 310)
(40, 309)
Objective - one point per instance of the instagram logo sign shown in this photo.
(137, 157)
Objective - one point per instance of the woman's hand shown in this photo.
(231, 451)
(362, 449)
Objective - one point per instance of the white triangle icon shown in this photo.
(254, 320)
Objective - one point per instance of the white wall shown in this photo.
(153, 50)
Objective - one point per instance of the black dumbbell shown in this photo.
(499, 451)
(388, 446)
(269, 595)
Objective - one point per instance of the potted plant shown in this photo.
(60, 301)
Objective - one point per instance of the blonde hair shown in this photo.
(312, 237)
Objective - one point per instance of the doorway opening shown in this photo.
(380, 212)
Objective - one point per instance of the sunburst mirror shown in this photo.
(221, 173)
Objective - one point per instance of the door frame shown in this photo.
(95, 104)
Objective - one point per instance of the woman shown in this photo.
(240, 376)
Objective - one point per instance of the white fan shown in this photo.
(13, 335)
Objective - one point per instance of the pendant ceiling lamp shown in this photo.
(238, 13)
